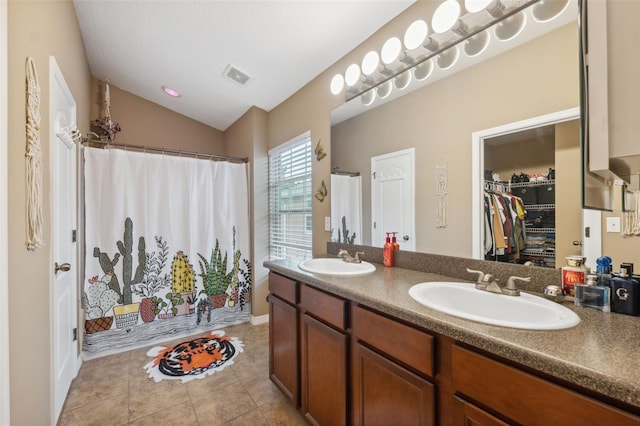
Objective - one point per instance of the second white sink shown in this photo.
(333, 266)
(464, 300)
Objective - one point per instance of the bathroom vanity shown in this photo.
(359, 350)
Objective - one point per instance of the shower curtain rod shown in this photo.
(167, 151)
(335, 171)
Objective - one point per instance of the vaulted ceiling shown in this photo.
(141, 46)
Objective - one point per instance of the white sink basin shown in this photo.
(330, 266)
(464, 300)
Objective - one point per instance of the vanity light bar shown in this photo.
(449, 27)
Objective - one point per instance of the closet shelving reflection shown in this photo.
(538, 253)
(541, 256)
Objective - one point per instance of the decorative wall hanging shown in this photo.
(33, 157)
(320, 152)
(322, 192)
(194, 359)
(441, 193)
(104, 127)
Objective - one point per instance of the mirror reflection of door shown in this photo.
(393, 198)
(539, 165)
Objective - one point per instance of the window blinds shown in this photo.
(290, 196)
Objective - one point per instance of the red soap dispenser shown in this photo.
(387, 252)
(394, 242)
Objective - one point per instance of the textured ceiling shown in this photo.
(141, 45)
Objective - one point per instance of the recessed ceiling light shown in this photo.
(171, 92)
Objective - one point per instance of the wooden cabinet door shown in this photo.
(324, 373)
(283, 348)
(466, 414)
(386, 394)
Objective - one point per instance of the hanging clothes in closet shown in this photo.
(505, 234)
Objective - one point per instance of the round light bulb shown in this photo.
(415, 34)
(368, 97)
(384, 89)
(475, 45)
(448, 58)
(423, 70)
(445, 16)
(391, 50)
(474, 6)
(370, 62)
(337, 84)
(352, 75)
(402, 80)
(510, 27)
(546, 10)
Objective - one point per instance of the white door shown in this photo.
(393, 198)
(591, 237)
(63, 225)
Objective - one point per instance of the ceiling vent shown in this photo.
(236, 75)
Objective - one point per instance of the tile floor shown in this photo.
(115, 390)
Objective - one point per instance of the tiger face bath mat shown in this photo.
(194, 359)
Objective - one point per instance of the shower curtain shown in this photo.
(346, 209)
(167, 246)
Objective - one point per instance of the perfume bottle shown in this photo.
(574, 273)
(591, 295)
(603, 270)
(625, 294)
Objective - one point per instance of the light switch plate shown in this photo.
(327, 223)
(613, 224)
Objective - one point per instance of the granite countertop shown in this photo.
(600, 353)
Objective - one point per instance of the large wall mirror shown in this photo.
(533, 77)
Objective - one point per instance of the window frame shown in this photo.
(290, 199)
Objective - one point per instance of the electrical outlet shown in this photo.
(613, 224)
(327, 223)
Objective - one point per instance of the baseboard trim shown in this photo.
(260, 319)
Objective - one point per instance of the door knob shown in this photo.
(406, 238)
(577, 243)
(64, 267)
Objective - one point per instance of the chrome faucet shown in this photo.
(487, 282)
(348, 258)
(555, 293)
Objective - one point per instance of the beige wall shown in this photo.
(247, 137)
(310, 109)
(533, 156)
(145, 123)
(439, 119)
(37, 29)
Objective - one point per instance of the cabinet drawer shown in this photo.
(329, 308)
(284, 288)
(406, 344)
(468, 414)
(525, 398)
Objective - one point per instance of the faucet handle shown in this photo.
(480, 274)
(342, 253)
(511, 288)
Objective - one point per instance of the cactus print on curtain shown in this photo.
(167, 247)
